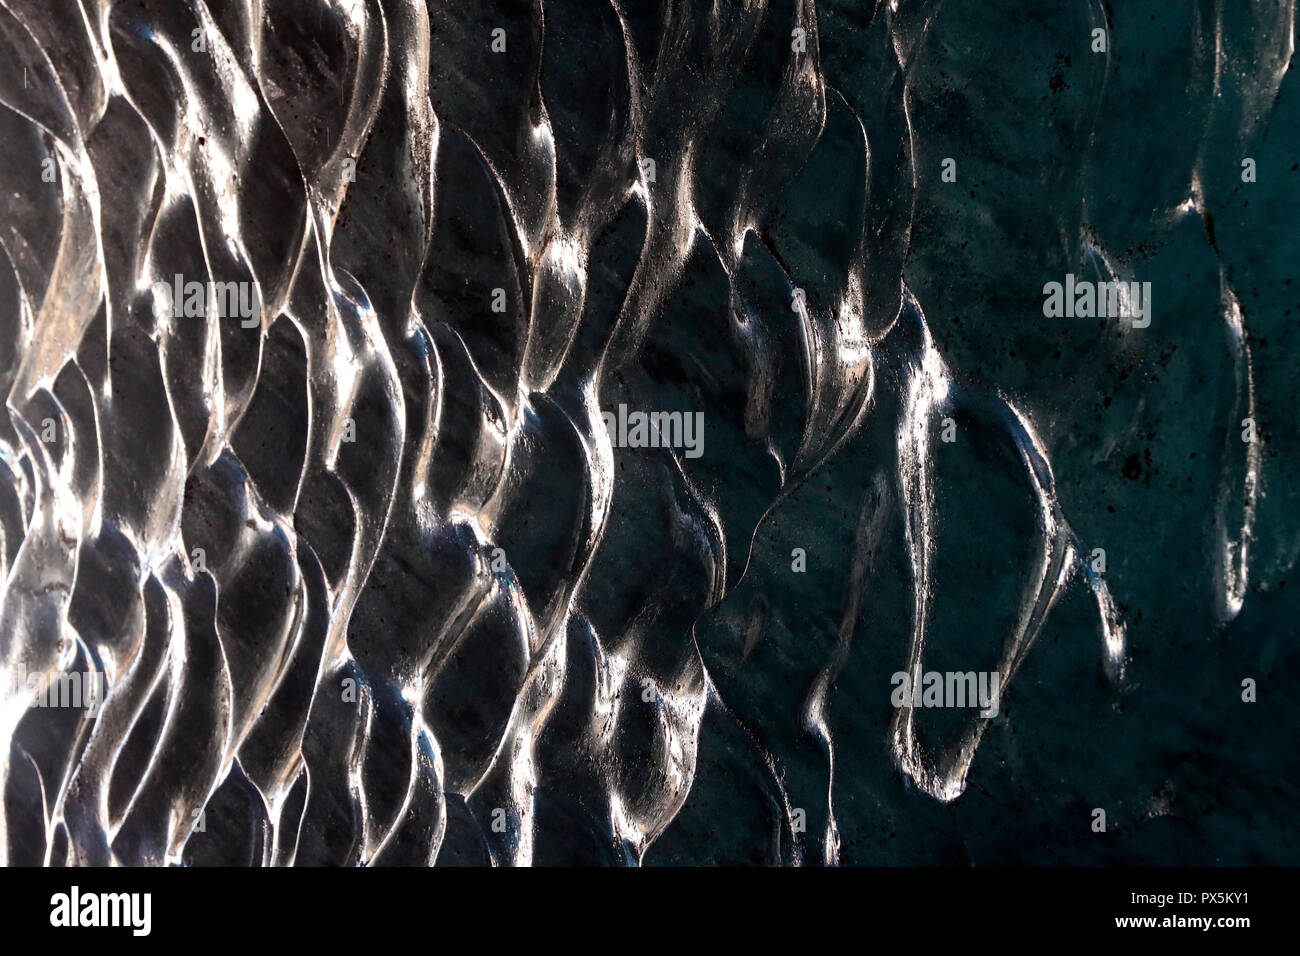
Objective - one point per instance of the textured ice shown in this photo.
(352, 570)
